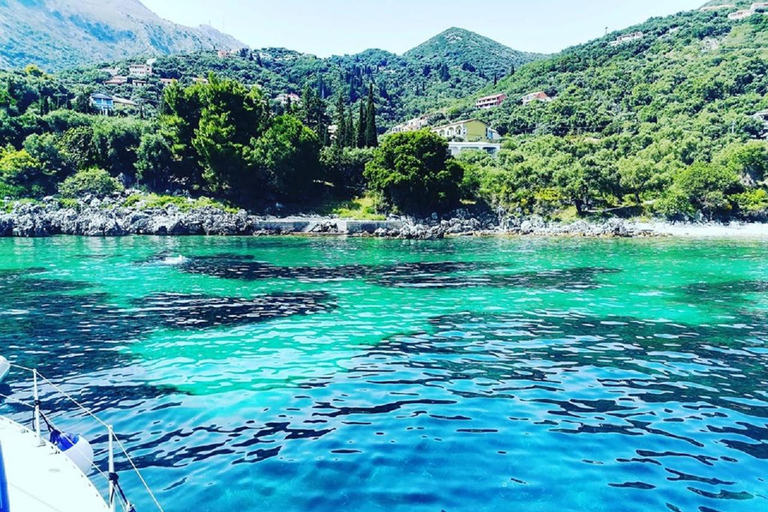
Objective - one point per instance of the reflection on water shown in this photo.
(343, 375)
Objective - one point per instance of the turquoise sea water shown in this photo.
(293, 374)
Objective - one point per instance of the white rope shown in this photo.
(17, 401)
(138, 473)
(98, 420)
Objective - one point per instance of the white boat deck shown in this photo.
(41, 478)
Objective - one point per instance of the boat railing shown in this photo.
(115, 492)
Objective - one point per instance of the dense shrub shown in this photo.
(92, 181)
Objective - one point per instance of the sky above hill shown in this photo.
(333, 27)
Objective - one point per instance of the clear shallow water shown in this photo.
(464, 375)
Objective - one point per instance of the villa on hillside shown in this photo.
(286, 98)
(757, 7)
(107, 104)
(140, 70)
(536, 96)
(456, 148)
(103, 103)
(412, 125)
(717, 7)
(122, 103)
(117, 80)
(491, 101)
(472, 130)
(627, 38)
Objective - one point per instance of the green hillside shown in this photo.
(434, 75)
(628, 121)
(56, 34)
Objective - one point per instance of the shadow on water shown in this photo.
(48, 320)
(197, 311)
(429, 275)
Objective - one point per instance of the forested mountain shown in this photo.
(56, 34)
(453, 65)
(457, 47)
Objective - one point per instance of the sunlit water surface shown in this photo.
(465, 375)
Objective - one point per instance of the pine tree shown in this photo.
(371, 132)
(361, 127)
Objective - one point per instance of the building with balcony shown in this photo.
(140, 70)
(472, 130)
(491, 101)
(456, 148)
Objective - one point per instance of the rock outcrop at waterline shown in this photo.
(94, 217)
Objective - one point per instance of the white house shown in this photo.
(627, 38)
(412, 125)
(456, 148)
(286, 98)
(535, 96)
(140, 70)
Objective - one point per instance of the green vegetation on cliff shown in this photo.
(665, 123)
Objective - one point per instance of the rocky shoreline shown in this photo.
(96, 217)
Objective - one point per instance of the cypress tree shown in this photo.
(371, 132)
(349, 130)
(360, 142)
(341, 123)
